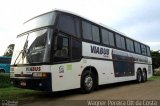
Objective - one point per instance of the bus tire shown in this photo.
(87, 82)
(144, 76)
(139, 76)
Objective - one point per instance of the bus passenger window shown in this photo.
(148, 51)
(87, 30)
(95, 33)
(137, 47)
(69, 25)
(120, 42)
(111, 39)
(143, 49)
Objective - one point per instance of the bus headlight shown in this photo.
(40, 74)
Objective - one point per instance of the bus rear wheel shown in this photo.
(87, 82)
(144, 76)
(139, 77)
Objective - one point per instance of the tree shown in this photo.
(155, 59)
(9, 50)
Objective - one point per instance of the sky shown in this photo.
(138, 19)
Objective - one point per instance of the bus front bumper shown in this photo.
(42, 84)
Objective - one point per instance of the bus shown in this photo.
(5, 62)
(60, 50)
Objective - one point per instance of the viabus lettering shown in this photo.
(99, 50)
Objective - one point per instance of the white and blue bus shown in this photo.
(5, 62)
(60, 50)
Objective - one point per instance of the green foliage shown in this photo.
(4, 80)
(154, 78)
(157, 73)
(155, 59)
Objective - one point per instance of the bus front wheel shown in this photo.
(87, 82)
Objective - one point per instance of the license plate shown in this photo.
(23, 83)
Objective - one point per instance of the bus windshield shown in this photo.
(40, 21)
(32, 48)
(33, 43)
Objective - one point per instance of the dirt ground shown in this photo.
(126, 91)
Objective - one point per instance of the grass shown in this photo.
(8, 92)
(4, 80)
(12, 93)
(154, 78)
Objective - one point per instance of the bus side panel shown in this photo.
(66, 76)
(144, 66)
(104, 69)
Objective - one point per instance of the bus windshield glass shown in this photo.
(33, 43)
(36, 47)
(40, 21)
(32, 48)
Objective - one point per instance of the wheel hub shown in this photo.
(88, 82)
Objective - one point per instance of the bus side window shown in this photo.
(137, 47)
(143, 49)
(87, 30)
(95, 33)
(76, 49)
(61, 47)
(148, 51)
(69, 25)
(120, 42)
(107, 37)
(111, 39)
(130, 45)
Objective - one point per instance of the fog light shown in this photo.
(44, 74)
(37, 74)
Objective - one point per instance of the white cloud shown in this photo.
(154, 45)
